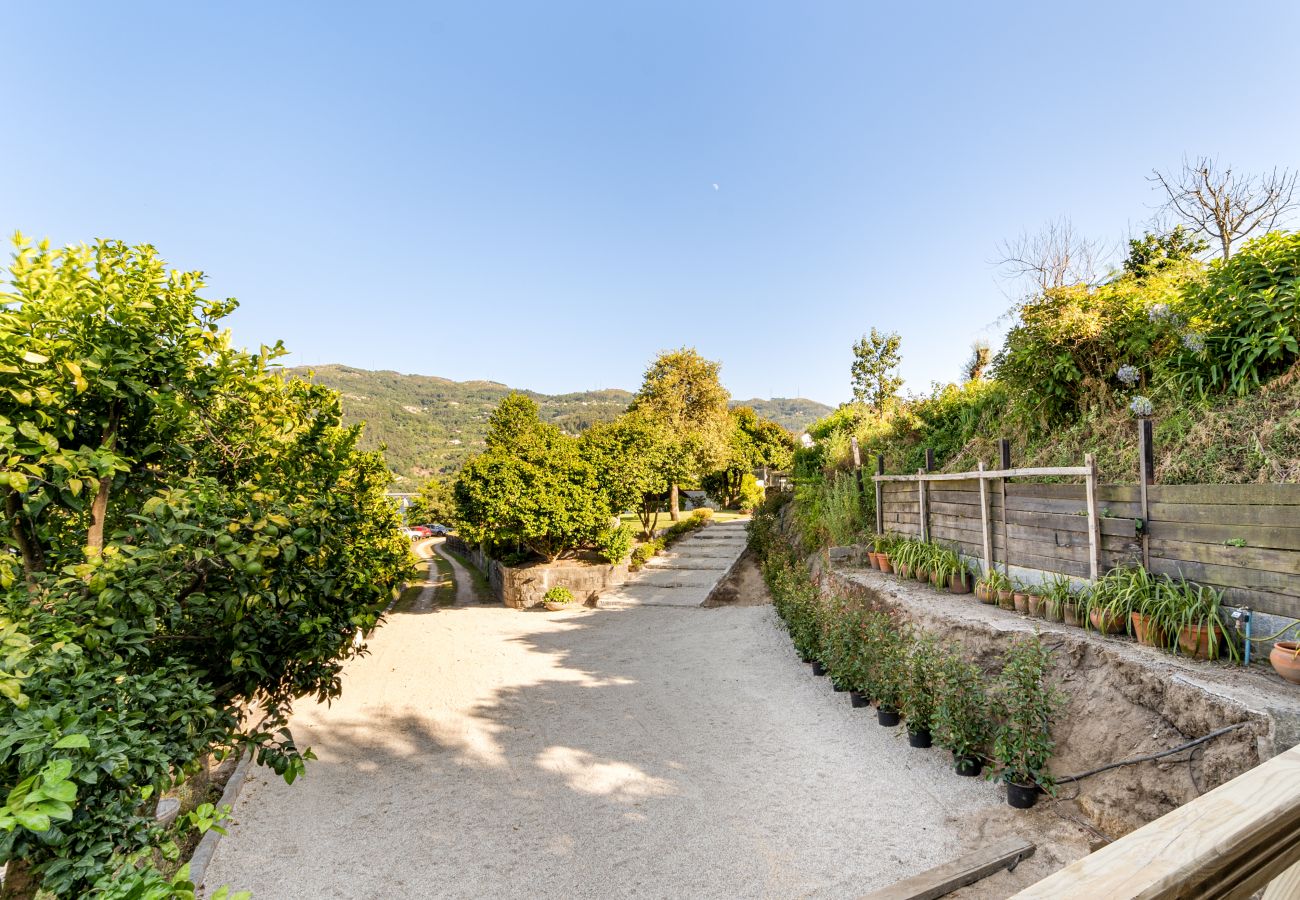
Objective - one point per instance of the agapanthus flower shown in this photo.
(1194, 341)
(1159, 312)
(1141, 407)
(1128, 375)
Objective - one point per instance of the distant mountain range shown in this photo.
(431, 425)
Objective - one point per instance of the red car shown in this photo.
(423, 531)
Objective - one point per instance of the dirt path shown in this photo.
(649, 751)
(465, 593)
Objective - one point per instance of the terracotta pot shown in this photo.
(1105, 624)
(1021, 602)
(1070, 614)
(936, 581)
(904, 571)
(920, 574)
(1285, 657)
(1052, 610)
(883, 560)
(958, 584)
(1146, 634)
(1006, 600)
(871, 556)
(982, 592)
(1036, 605)
(556, 607)
(1195, 640)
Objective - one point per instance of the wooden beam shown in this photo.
(984, 523)
(1146, 476)
(1094, 519)
(1030, 472)
(968, 869)
(880, 496)
(922, 509)
(1227, 843)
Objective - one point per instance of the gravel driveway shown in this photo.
(640, 752)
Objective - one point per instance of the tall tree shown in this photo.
(433, 502)
(875, 368)
(1153, 253)
(755, 443)
(1224, 205)
(630, 457)
(682, 395)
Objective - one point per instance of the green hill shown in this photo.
(431, 425)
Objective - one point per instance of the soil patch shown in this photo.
(744, 586)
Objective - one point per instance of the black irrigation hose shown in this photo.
(1151, 756)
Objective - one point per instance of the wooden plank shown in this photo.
(1002, 509)
(1060, 506)
(984, 523)
(1227, 843)
(1262, 601)
(1094, 525)
(1048, 563)
(1060, 522)
(1031, 472)
(1225, 514)
(1228, 494)
(1273, 538)
(1226, 576)
(925, 510)
(1285, 561)
(966, 869)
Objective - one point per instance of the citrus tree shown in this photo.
(191, 537)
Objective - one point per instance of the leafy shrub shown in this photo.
(558, 594)
(1247, 315)
(1026, 707)
(751, 495)
(829, 511)
(614, 544)
(921, 679)
(961, 711)
(641, 554)
(704, 514)
(194, 537)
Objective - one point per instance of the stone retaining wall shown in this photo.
(522, 587)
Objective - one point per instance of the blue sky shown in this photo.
(524, 192)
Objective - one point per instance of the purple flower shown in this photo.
(1141, 407)
(1128, 374)
(1194, 341)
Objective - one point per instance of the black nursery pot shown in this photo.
(970, 766)
(1021, 796)
(818, 668)
(919, 738)
(859, 699)
(887, 717)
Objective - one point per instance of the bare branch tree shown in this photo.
(1051, 257)
(1223, 205)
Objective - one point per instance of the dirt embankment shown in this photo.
(1122, 701)
(743, 586)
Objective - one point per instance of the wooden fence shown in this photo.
(1241, 539)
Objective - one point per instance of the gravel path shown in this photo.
(643, 752)
(465, 595)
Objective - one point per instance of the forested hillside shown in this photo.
(431, 425)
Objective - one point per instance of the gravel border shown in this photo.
(202, 854)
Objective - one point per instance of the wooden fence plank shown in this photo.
(966, 869)
(1286, 562)
(1271, 537)
(1228, 576)
(1070, 507)
(1226, 514)
(1262, 601)
(1061, 522)
(1228, 494)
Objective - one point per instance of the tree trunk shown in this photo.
(30, 550)
(673, 512)
(19, 883)
(99, 507)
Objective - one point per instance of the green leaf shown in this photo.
(35, 358)
(72, 741)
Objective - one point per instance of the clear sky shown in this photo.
(546, 194)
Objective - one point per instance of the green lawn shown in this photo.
(726, 515)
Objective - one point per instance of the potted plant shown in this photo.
(1026, 706)
(1020, 597)
(1056, 597)
(558, 598)
(839, 639)
(1074, 608)
(1285, 658)
(1112, 599)
(995, 583)
(1148, 599)
(961, 713)
(884, 552)
(1192, 612)
(904, 555)
(1037, 601)
(889, 670)
(917, 700)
